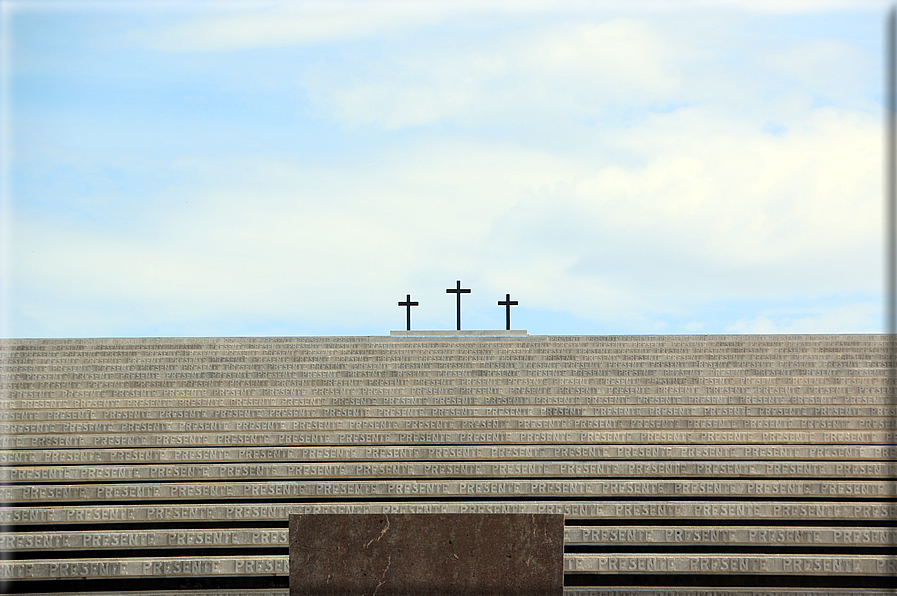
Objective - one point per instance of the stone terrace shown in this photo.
(712, 463)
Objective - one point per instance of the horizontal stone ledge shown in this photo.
(88, 568)
(449, 488)
(709, 360)
(201, 470)
(450, 437)
(249, 566)
(684, 591)
(336, 453)
(20, 420)
(448, 424)
(732, 564)
(698, 591)
(787, 344)
(716, 536)
(410, 351)
(67, 362)
(145, 539)
(569, 591)
(564, 397)
(241, 592)
(806, 511)
(646, 536)
(187, 368)
(223, 592)
(657, 375)
(461, 333)
(779, 341)
(310, 366)
(486, 351)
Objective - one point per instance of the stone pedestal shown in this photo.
(427, 555)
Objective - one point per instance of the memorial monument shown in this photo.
(737, 465)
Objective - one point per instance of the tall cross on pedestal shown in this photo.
(507, 303)
(408, 304)
(458, 291)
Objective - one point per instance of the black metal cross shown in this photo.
(408, 304)
(507, 303)
(458, 291)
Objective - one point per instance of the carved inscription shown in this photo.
(142, 539)
(732, 535)
(735, 564)
(466, 452)
(449, 437)
(681, 469)
(98, 568)
(670, 591)
(59, 420)
(662, 510)
(478, 488)
(785, 442)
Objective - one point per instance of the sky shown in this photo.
(297, 168)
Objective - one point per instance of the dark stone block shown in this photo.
(427, 555)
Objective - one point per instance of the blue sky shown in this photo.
(265, 168)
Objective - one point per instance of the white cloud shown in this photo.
(862, 317)
(296, 23)
(756, 198)
(678, 199)
(711, 216)
(576, 70)
(830, 68)
(292, 24)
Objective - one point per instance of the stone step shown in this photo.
(309, 471)
(248, 565)
(443, 488)
(873, 513)
(603, 536)
(841, 453)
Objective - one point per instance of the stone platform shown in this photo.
(724, 465)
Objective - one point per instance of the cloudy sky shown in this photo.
(208, 169)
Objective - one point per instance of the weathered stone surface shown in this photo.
(224, 592)
(143, 539)
(712, 440)
(424, 555)
(95, 568)
(735, 564)
(158, 429)
(570, 591)
(500, 488)
(20, 420)
(872, 512)
(455, 437)
(619, 535)
(437, 470)
(782, 453)
(461, 333)
(715, 536)
(697, 591)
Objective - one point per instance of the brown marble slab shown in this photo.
(427, 554)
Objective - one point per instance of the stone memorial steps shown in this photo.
(247, 565)
(609, 536)
(143, 464)
(716, 511)
(571, 591)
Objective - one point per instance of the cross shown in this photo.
(458, 291)
(408, 304)
(507, 303)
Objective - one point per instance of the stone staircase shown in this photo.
(694, 465)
